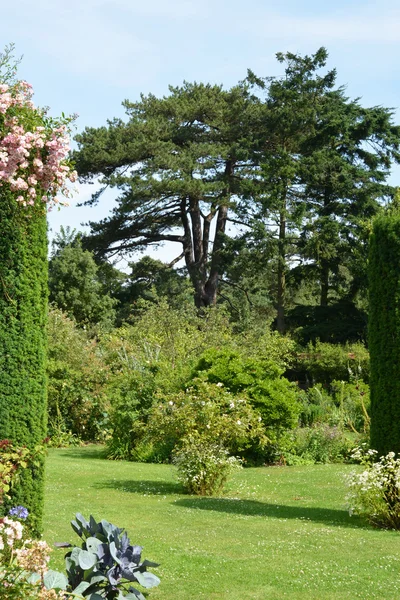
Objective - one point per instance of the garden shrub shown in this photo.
(374, 492)
(208, 409)
(341, 404)
(321, 443)
(77, 377)
(324, 363)
(384, 333)
(273, 396)
(203, 467)
(13, 461)
(152, 357)
(132, 394)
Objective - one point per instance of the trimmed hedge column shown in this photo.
(23, 315)
(384, 333)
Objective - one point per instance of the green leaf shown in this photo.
(136, 595)
(147, 580)
(76, 528)
(33, 578)
(113, 552)
(87, 560)
(92, 544)
(55, 580)
(81, 587)
(74, 556)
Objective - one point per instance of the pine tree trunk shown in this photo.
(280, 319)
(324, 283)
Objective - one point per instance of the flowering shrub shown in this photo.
(33, 148)
(375, 492)
(208, 409)
(203, 467)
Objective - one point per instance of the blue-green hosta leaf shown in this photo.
(76, 528)
(87, 560)
(113, 551)
(94, 596)
(92, 544)
(93, 524)
(82, 521)
(147, 580)
(81, 588)
(55, 580)
(95, 579)
(33, 578)
(107, 527)
(74, 556)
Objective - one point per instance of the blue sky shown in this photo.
(86, 56)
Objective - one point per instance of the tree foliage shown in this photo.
(288, 169)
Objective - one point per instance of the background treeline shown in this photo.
(268, 190)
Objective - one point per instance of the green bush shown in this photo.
(210, 410)
(321, 443)
(273, 396)
(132, 395)
(152, 357)
(341, 404)
(77, 376)
(203, 467)
(324, 363)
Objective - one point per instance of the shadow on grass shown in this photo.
(143, 486)
(332, 517)
(90, 452)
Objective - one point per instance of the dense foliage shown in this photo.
(23, 344)
(384, 333)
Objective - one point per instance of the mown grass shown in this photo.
(278, 532)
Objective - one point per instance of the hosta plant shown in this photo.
(107, 564)
(375, 491)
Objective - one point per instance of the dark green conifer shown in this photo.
(23, 312)
(384, 333)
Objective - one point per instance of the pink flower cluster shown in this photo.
(33, 158)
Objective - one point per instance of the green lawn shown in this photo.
(278, 532)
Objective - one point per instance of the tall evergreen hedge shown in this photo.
(23, 311)
(384, 333)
